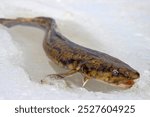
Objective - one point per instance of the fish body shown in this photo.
(92, 64)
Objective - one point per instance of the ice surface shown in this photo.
(119, 28)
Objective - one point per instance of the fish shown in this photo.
(91, 64)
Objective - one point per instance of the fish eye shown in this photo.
(115, 72)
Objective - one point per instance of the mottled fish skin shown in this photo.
(90, 63)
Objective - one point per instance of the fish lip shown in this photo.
(125, 85)
(121, 85)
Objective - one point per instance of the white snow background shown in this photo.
(120, 28)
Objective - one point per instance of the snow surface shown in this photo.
(118, 27)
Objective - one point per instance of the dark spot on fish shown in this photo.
(102, 67)
(57, 48)
(70, 61)
(64, 62)
(84, 69)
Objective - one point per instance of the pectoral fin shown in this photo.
(57, 76)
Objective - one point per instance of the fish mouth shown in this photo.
(124, 84)
(127, 84)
